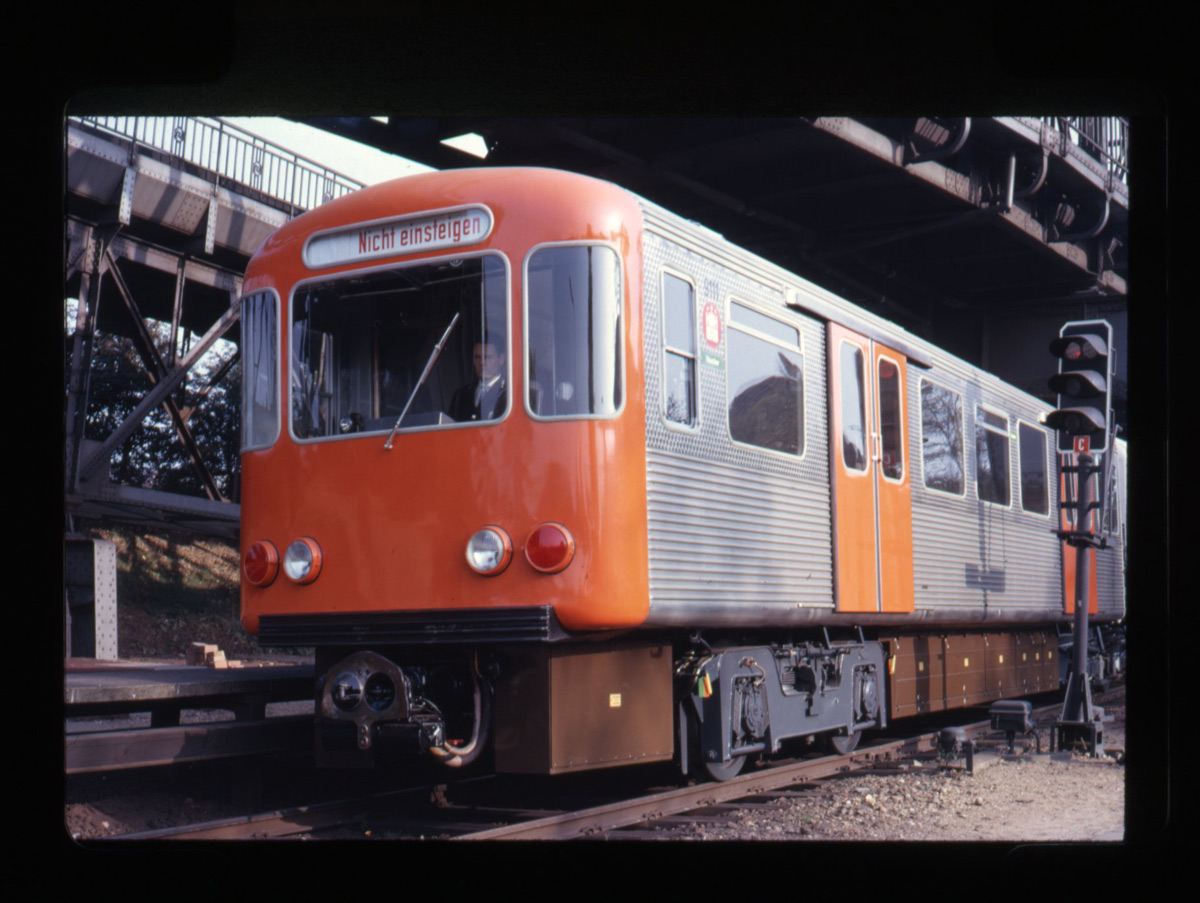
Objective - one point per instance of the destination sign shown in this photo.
(403, 235)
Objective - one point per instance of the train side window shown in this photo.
(260, 370)
(854, 408)
(679, 342)
(942, 439)
(575, 340)
(1031, 442)
(765, 381)
(991, 456)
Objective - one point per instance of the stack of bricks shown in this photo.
(206, 654)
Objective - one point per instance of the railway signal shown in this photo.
(1083, 381)
(1083, 385)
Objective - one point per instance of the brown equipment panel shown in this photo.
(572, 708)
(930, 673)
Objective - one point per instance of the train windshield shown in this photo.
(367, 347)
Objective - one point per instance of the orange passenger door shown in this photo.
(871, 489)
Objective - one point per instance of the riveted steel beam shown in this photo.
(94, 243)
(160, 392)
(157, 369)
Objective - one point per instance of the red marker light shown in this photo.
(261, 563)
(549, 548)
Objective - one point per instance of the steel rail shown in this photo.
(268, 825)
(288, 822)
(593, 822)
(611, 817)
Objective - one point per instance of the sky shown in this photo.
(360, 162)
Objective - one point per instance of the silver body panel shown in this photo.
(740, 536)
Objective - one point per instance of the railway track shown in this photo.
(482, 809)
(599, 805)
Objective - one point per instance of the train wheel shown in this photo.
(716, 771)
(842, 743)
(724, 771)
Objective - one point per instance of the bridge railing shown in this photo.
(232, 154)
(1103, 138)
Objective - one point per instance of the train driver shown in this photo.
(485, 397)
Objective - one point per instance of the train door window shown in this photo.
(679, 345)
(890, 425)
(574, 335)
(370, 345)
(1111, 514)
(854, 407)
(1035, 497)
(260, 370)
(991, 456)
(942, 439)
(765, 381)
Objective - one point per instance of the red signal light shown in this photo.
(549, 548)
(261, 563)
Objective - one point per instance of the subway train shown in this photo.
(551, 477)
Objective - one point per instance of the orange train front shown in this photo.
(547, 474)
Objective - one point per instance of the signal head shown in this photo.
(1085, 370)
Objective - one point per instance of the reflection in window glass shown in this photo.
(991, 454)
(260, 370)
(891, 436)
(941, 438)
(575, 340)
(361, 342)
(766, 406)
(1034, 485)
(768, 326)
(679, 333)
(854, 411)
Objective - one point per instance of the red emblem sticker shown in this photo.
(711, 325)
(1083, 445)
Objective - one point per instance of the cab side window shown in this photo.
(679, 347)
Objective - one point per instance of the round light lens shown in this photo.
(549, 548)
(346, 691)
(489, 551)
(380, 692)
(302, 560)
(261, 563)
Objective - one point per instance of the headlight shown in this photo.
(489, 551)
(302, 560)
(549, 548)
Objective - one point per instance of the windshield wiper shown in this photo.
(437, 350)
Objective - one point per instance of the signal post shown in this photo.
(1084, 379)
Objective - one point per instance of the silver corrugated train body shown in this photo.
(741, 536)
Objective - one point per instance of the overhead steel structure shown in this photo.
(975, 233)
(972, 232)
(162, 216)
